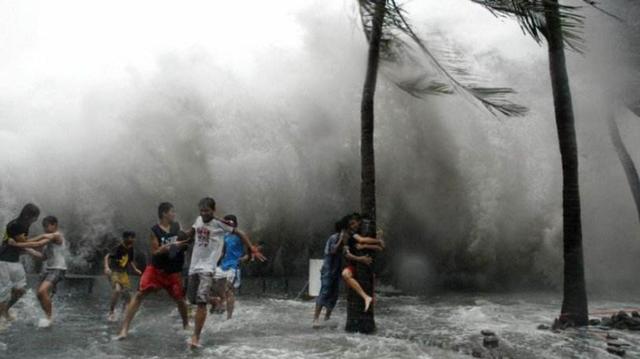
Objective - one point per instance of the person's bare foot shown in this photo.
(8, 316)
(194, 343)
(121, 336)
(367, 303)
(111, 317)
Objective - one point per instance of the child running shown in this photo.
(352, 252)
(208, 232)
(12, 275)
(227, 272)
(54, 270)
(116, 264)
(168, 244)
(330, 273)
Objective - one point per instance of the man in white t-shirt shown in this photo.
(208, 234)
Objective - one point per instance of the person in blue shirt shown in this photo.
(330, 272)
(228, 269)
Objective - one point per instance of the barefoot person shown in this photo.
(116, 264)
(352, 253)
(330, 273)
(12, 275)
(227, 273)
(167, 258)
(208, 233)
(54, 270)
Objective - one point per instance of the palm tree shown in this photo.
(368, 168)
(560, 25)
(392, 39)
(625, 160)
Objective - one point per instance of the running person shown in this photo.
(55, 267)
(227, 273)
(208, 233)
(116, 264)
(12, 275)
(167, 250)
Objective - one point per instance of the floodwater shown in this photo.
(442, 326)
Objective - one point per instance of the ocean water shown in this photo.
(440, 326)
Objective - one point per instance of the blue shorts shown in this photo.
(329, 290)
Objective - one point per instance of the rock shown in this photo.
(543, 327)
(635, 314)
(476, 353)
(617, 344)
(594, 321)
(606, 321)
(611, 336)
(616, 351)
(620, 325)
(487, 332)
(490, 341)
(622, 315)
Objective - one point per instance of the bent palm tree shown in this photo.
(561, 26)
(626, 161)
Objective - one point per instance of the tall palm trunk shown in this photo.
(574, 303)
(357, 319)
(625, 159)
(368, 169)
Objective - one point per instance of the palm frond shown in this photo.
(531, 16)
(596, 5)
(400, 42)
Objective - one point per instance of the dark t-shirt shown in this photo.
(10, 253)
(120, 257)
(173, 260)
(351, 243)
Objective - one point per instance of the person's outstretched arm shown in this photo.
(36, 242)
(366, 260)
(135, 267)
(370, 247)
(255, 253)
(32, 252)
(107, 269)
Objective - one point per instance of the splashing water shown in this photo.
(445, 326)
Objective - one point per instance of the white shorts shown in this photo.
(229, 274)
(12, 276)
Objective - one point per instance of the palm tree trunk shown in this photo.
(368, 169)
(574, 304)
(357, 319)
(627, 162)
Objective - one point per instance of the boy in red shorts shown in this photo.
(167, 249)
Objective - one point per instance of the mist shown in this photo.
(263, 115)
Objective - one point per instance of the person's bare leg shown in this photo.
(126, 299)
(4, 310)
(327, 313)
(351, 282)
(183, 310)
(201, 316)
(231, 300)
(115, 296)
(132, 309)
(16, 294)
(44, 299)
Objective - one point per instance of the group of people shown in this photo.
(216, 248)
(344, 249)
(211, 251)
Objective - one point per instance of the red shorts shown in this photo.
(351, 268)
(154, 279)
